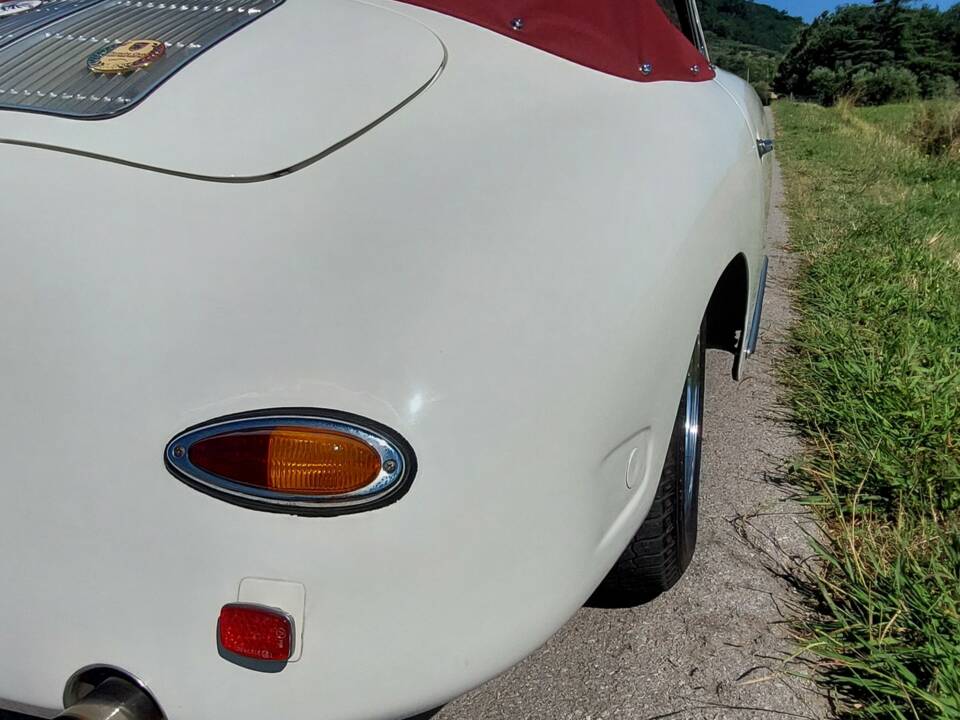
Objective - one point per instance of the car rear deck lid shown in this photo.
(302, 79)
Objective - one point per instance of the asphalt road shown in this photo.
(715, 647)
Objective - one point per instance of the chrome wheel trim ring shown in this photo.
(693, 415)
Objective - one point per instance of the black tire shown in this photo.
(663, 547)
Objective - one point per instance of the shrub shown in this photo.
(826, 84)
(763, 90)
(942, 87)
(884, 85)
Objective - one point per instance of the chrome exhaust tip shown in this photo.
(103, 693)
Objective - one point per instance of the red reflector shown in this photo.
(255, 632)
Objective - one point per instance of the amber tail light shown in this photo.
(294, 461)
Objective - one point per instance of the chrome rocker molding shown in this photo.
(387, 488)
(758, 309)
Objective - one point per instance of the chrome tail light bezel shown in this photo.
(398, 462)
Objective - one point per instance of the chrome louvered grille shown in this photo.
(47, 70)
(15, 26)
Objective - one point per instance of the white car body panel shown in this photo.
(295, 84)
(510, 272)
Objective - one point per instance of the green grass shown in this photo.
(874, 384)
(892, 119)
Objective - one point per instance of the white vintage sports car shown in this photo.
(350, 345)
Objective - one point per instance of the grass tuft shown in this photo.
(936, 129)
(873, 379)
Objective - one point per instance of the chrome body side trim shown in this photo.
(693, 417)
(758, 309)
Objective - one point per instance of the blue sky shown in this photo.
(809, 9)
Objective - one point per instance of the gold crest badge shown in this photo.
(131, 55)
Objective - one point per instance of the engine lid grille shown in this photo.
(94, 59)
(21, 17)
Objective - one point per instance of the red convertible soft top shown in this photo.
(632, 39)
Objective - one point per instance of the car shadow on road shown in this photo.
(603, 599)
(427, 715)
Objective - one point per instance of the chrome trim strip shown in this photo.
(758, 309)
(385, 485)
(701, 39)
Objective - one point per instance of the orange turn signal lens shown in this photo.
(290, 460)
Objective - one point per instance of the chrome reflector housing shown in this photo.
(45, 53)
(397, 462)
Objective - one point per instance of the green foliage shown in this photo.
(749, 23)
(942, 87)
(753, 64)
(762, 89)
(826, 85)
(884, 85)
(873, 379)
(748, 38)
(884, 39)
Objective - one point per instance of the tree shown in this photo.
(868, 48)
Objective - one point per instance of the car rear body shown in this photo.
(499, 254)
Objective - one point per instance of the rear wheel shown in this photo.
(660, 552)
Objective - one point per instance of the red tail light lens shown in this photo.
(255, 632)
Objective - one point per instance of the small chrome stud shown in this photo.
(646, 68)
(517, 24)
(695, 69)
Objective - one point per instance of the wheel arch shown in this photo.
(726, 314)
